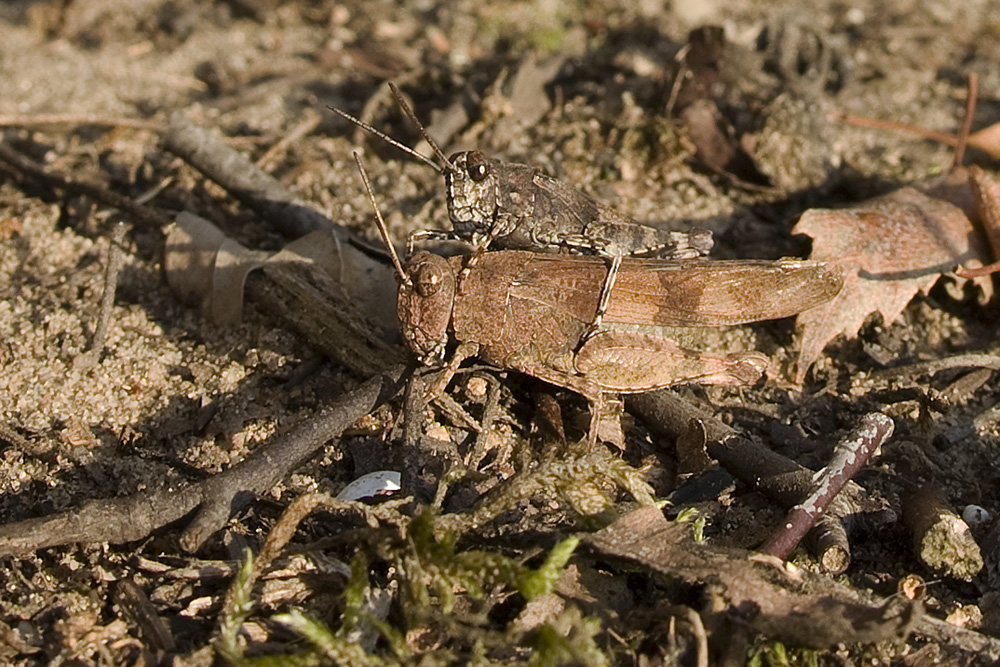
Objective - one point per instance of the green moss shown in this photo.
(228, 644)
(446, 590)
(570, 638)
(775, 654)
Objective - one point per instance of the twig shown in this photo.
(323, 312)
(959, 141)
(115, 260)
(284, 530)
(896, 126)
(850, 455)
(134, 517)
(35, 120)
(941, 539)
(267, 466)
(938, 365)
(424, 465)
(830, 544)
(25, 165)
(7, 434)
(777, 477)
(454, 412)
(310, 121)
(136, 608)
(962, 138)
(238, 175)
(972, 643)
(491, 410)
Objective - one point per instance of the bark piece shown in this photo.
(941, 540)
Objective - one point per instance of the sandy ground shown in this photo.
(577, 90)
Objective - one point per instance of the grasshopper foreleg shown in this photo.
(428, 235)
(462, 352)
(502, 226)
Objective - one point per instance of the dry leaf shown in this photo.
(800, 607)
(890, 248)
(987, 140)
(692, 100)
(986, 191)
(206, 268)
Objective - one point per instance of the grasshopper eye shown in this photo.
(427, 280)
(477, 167)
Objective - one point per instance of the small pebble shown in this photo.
(476, 387)
(370, 485)
(974, 515)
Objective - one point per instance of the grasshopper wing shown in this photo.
(626, 361)
(677, 293)
(718, 293)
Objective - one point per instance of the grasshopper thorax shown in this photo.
(473, 192)
(424, 305)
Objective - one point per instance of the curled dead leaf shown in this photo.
(207, 268)
(890, 248)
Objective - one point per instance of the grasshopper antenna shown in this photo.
(386, 138)
(420, 126)
(383, 230)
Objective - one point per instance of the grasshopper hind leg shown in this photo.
(602, 302)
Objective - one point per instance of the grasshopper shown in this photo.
(511, 206)
(530, 312)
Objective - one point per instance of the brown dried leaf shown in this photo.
(793, 606)
(987, 140)
(891, 248)
(692, 100)
(207, 268)
(986, 192)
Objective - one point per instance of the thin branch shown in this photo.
(310, 121)
(134, 517)
(777, 477)
(962, 138)
(896, 126)
(241, 178)
(115, 260)
(850, 455)
(42, 119)
(53, 179)
(938, 365)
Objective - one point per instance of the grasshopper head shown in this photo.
(473, 193)
(424, 305)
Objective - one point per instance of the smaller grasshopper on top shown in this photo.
(511, 206)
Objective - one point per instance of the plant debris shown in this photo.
(891, 248)
(177, 480)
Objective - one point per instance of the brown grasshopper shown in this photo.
(531, 312)
(504, 205)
